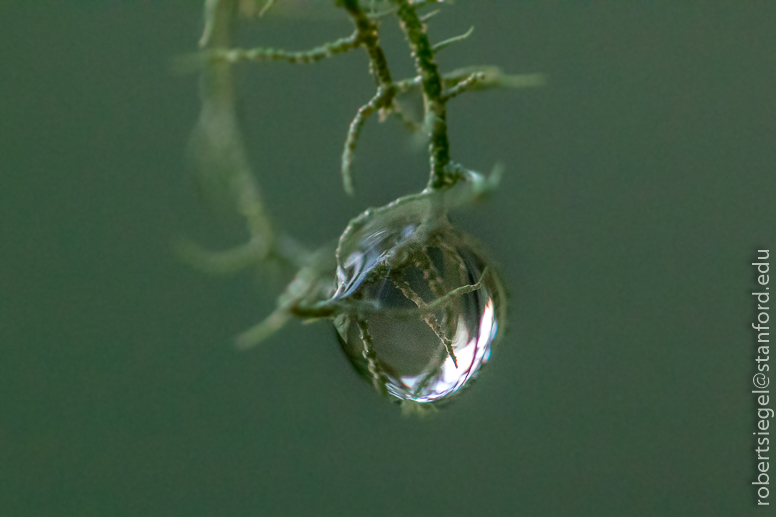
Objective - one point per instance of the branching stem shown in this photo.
(366, 34)
(439, 145)
(239, 55)
(462, 86)
(217, 136)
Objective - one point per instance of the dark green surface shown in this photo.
(639, 184)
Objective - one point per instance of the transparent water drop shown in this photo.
(422, 307)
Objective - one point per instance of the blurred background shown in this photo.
(639, 184)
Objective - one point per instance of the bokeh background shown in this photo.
(639, 184)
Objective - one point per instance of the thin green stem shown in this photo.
(220, 161)
(217, 140)
(434, 103)
(381, 100)
(238, 55)
(455, 39)
(366, 35)
(462, 86)
(379, 380)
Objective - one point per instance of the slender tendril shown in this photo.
(217, 140)
(462, 86)
(239, 55)
(381, 100)
(367, 35)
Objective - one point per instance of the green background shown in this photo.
(639, 184)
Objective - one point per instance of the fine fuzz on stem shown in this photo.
(366, 31)
(238, 55)
(381, 100)
(439, 146)
(462, 86)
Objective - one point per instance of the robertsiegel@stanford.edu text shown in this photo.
(761, 379)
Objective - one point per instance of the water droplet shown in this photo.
(421, 307)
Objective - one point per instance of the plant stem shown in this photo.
(221, 163)
(217, 140)
(433, 101)
(368, 36)
(237, 55)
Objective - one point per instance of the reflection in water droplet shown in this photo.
(425, 306)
